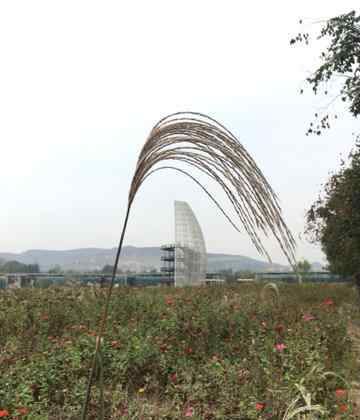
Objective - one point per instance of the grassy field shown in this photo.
(203, 353)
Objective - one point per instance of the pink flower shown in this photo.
(189, 412)
(280, 347)
(308, 317)
(328, 301)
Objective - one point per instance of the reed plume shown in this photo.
(198, 141)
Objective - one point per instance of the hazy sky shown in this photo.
(83, 82)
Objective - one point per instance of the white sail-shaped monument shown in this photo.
(190, 250)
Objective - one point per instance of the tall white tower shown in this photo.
(190, 250)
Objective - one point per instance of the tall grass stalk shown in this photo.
(196, 140)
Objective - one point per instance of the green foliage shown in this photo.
(107, 269)
(339, 61)
(207, 353)
(17, 267)
(334, 219)
(56, 269)
(303, 266)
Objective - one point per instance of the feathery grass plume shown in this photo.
(203, 143)
(273, 287)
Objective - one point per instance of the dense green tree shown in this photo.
(107, 269)
(303, 266)
(339, 62)
(17, 267)
(56, 269)
(33, 268)
(334, 219)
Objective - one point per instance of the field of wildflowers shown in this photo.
(202, 353)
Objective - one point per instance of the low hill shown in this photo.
(133, 258)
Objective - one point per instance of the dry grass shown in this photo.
(204, 144)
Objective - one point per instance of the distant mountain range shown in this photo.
(132, 258)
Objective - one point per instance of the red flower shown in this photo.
(163, 348)
(259, 406)
(173, 377)
(328, 302)
(22, 410)
(340, 393)
(308, 317)
(4, 413)
(189, 350)
(115, 344)
(169, 301)
(343, 408)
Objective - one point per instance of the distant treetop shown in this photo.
(17, 267)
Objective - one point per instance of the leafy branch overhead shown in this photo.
(334, 219)
(340, 62)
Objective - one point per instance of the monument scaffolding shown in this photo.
(185, 261)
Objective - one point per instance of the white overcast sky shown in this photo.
(83, 82)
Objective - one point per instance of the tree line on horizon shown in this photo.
(10, 267)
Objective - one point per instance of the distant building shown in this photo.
(168, 260)
(186, 260)
(311, 276)
(17, 280)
